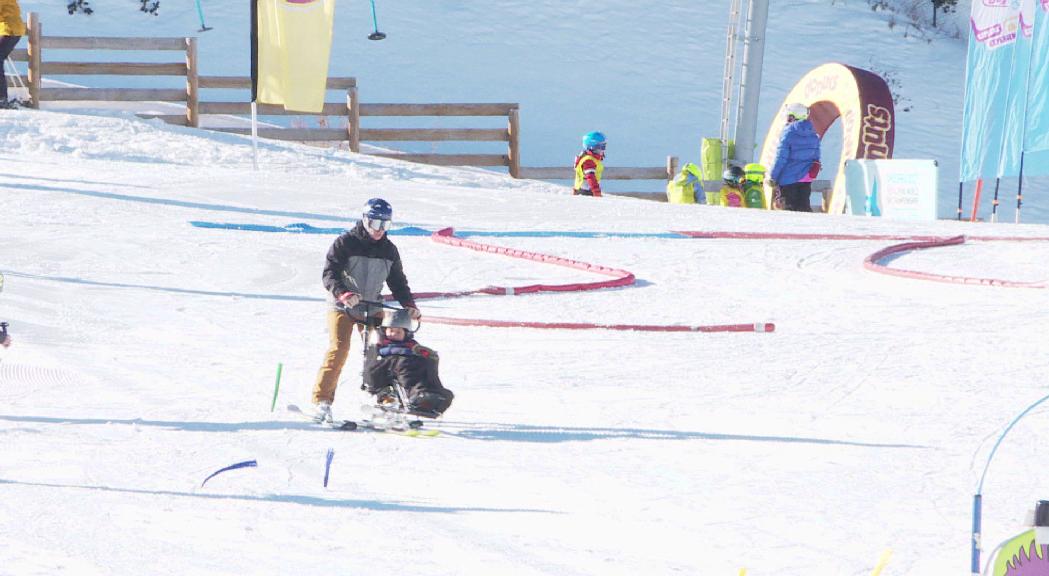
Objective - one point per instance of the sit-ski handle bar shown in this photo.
(368, 304)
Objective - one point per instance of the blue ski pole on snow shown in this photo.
(200, 13)
(375, 22)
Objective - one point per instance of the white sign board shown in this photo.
(896, 189)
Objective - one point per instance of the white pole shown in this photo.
(254, 136)
(14, 71)
(750, 80)
(726, 88)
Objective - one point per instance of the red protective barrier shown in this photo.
(872, 263)
(824, 236)
(619, 278)
(760, 327)
(796, 236)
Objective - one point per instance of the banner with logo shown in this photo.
(992, 86)
(895, 189)
(291, 44)
(1007, 90)
(1036, 142)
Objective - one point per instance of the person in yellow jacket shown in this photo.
(12, 28)
(754, 185)
(731, 193)
(686, 187)
(589, 165)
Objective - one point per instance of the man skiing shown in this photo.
(589, 165)
(402, 362)
(358, 263)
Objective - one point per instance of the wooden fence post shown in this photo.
(515, 143)
(34, 60)
(353, 123)
(671, 167)
(192, 84)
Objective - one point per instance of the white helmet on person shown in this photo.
(797, 111)
(400, 318)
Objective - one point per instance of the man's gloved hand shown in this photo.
(413, 312)
(349, 299)
(772, 183)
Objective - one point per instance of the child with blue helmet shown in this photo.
(589, 165)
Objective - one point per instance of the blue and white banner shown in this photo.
(1036, 141)
(1006, 90)
(993, 89)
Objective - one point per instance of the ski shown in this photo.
(332, 423)
(380, 426)
(389, 419)
(413, 429)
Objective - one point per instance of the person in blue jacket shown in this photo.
(798, 153)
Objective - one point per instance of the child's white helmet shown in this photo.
(798, 110)
(399, 319)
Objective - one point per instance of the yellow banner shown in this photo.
(294, 43)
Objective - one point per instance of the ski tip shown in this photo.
(419, 432)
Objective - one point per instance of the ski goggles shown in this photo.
(377, 225)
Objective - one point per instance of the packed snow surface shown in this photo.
(148, 329)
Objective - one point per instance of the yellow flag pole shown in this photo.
(882, 561)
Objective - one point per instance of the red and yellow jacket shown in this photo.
(588, 170)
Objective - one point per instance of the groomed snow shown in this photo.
(146, 351)
(146, 348)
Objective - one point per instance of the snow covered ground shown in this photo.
(146, 351)
(146, 348)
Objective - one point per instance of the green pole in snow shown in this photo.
(276, 387)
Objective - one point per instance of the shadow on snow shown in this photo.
(475, 431)
(285, 499)
(81, 281)
(179, 203)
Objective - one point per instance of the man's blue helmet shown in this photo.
(377, 209)
(594, 141)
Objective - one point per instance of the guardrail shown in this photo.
(349, 107)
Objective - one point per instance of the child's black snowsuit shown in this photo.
(414, 367)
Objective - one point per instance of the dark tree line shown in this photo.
(947, 6)
(147, 6)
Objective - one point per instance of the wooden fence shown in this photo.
(663, 173)
(348, 106)
(510, 134)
